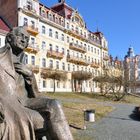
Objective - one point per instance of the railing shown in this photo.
(106, 57)
(76, 60)
(29, 8)
(55, 54)
(32, 48)
(95, 65)
(34, 68)
(77, 47)
(31, 29)
(52, 22)
(76, 34)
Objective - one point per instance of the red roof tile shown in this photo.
(4, 26)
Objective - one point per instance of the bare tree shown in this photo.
(55, 75)
(81, 76)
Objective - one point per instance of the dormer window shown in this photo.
(29, 5)
(43, 13)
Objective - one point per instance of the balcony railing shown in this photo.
(30, 10)
(32, 48)
(34, 68)
(76, 60)
(55, 54)
(77, 47)
(95, 65)
(52, 22)
(106, 57)
(94, 41)
(76, 34)
(32, 30)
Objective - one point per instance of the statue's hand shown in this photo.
(2, 117)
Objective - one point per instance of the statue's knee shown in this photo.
(55, 103)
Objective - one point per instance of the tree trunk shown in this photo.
(54, 86)
(81, 82)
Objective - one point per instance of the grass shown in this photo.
(74, 105)
(74, 111)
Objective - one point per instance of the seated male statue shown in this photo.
(24, 115)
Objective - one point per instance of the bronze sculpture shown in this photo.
(23, 114)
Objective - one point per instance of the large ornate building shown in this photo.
(132, 71)
(59, 40)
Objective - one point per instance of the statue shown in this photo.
(24, 115)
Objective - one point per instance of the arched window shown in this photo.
(43, 62)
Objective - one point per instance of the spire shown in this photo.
(130, 52)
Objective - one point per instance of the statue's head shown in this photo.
(18, 39)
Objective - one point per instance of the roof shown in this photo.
(63, 9)
(3, 25)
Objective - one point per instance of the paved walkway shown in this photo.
(118, 125)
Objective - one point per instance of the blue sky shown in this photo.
(119, 20)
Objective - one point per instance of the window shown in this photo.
(25, 22)
(29, 5)
(43, 62)
(57, 64)
(33, 24)
(57, 49)
(91, 49)
(88, 48)
(43, 45)
(68, 67)
(32, 40)
(33, 60)
(58, 84)
(56, 35)
(77, 68)
(72, 27)
(95, 50)
(73, 67)
(63, 66)
(63, 50)
(50, 45)
(0, 42)
(51, 84)
(50, 32)
(43, 30)
(64, 85)
(62, 37)
(68, 25)
(68, 39)
(51, 63)
(44, 84)
(26, 59)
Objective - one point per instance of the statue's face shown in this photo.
(22, 39)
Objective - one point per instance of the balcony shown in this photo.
(76, 60)
(105, 48)
(95, 65)
(28, 9)
(32, 48)
(106, 57)
(32, 30)
(75, 34)
(51, 22)
(45, 71)
(77, 47)
(94, 41)
(34, 68)
(55, 54)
